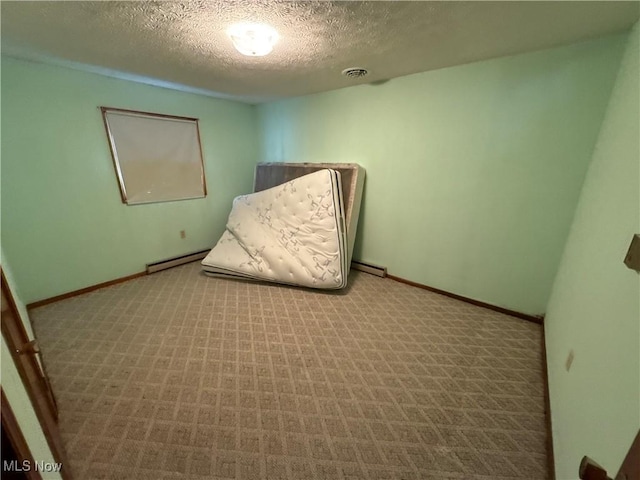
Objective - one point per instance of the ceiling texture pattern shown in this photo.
(185, 43)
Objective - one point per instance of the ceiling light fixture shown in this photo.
(253, 39)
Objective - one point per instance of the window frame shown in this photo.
(116, 161)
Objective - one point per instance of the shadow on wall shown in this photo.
(357, 247)
(379, 82)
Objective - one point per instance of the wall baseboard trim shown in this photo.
(524, 316)
(64, 296)
(531, 318)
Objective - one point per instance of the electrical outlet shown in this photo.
(569, 361)
(183, 234)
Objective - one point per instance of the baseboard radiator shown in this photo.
(192, 257)
(369, 268)
(175, 261)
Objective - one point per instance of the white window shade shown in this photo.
(157, 157)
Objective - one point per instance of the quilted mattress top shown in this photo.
(293, 233)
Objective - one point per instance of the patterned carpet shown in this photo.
(177, 375)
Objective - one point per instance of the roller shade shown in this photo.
(157, 157)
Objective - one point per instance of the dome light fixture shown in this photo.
(253, 39)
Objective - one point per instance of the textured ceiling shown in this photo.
(185, 42)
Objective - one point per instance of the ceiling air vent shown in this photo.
(355, 72)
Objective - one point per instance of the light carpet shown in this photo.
(177, 375)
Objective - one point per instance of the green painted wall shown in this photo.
(473, 172)
(63, 224)
(595, 304)
(22, 309)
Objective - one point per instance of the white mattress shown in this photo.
(293, 233)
